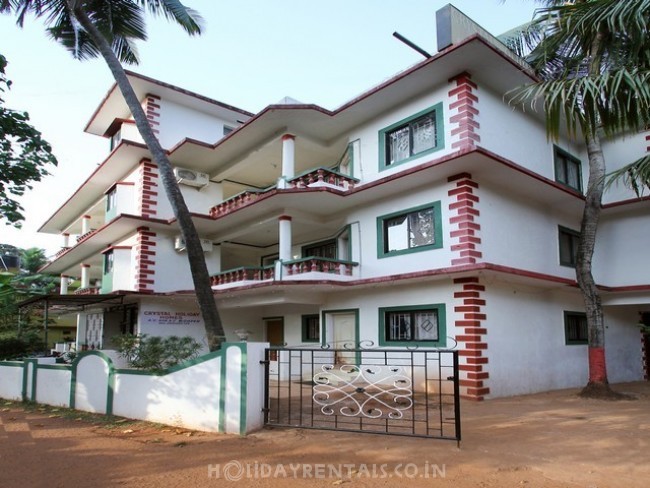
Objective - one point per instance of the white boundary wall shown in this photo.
(222, 391)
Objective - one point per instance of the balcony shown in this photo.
(323, 266)
(315, 178)
(243, 274)
(314, 268)
(87, 291)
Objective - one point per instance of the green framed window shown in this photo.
(568, 169)
(569, 240)
(310, 328)
(415, 136)
(575, 328)
(422, 325)
(412, 230)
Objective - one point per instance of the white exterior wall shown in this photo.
(172, 270)
(526, 341)
(368, 135)
(149, 321)
(53, 387)
(178, 122)
(518, 136)
(520, 233)
(621, 256)
(188, 398)
(372, 266)
(621, 153)
(198, 200)
(123, 266)
(125, 200)
(129, 132)
(91, 392)
(368, 302)
(11, 381)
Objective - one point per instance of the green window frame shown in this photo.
(575, 328)
(568, 242)
(410, 230)
(410, 138)
(419, 325)
(311, 328)
(568, 169)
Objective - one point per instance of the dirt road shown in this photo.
(546, 440)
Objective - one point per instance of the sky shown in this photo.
(252, 53)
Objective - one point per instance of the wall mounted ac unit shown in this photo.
(190, 177)
(179, 244)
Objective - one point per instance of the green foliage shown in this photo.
(32, 259)
(592, 58)
(13, 346)
(120, 22)
(24, 156)
(154, 353)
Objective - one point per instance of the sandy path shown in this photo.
(545, 440)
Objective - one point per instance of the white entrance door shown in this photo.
(344, 326)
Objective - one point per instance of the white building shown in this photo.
(424, 212)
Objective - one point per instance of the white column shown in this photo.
(85, 276)
(284, 224)
(85, 224)
(66, 239)
(63, 289)
(288, 159)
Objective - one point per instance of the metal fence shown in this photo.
(387, 391)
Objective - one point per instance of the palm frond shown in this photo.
(190, 20)
(617, 102)
(635, 175)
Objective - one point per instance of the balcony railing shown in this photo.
(83, 236)
(315, 264)
(323, 176)
(243, 274)
(240, 200)
(87, 291)
(61, 251)
(315, 177)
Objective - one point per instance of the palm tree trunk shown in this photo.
(205, 298)
(590, 293)
(597, 384)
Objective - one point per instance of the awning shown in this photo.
(71, 303)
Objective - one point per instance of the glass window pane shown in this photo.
(572, 174)
(424, 134)
(396, 234)
(399, 326)
(566, 249)
(421, 228)
(399, 147)
(426, 326)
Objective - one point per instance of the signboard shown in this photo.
(171, 318)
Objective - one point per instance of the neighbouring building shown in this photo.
(425, 212)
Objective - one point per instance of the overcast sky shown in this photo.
(252, 54)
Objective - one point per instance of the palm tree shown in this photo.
(592, 60)
(90, 28)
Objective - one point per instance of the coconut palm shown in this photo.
(592, 59)
(109, 28)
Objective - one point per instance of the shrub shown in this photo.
(14, 347)
(155, 353)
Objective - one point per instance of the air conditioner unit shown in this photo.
(179, 244)
(190, 177)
